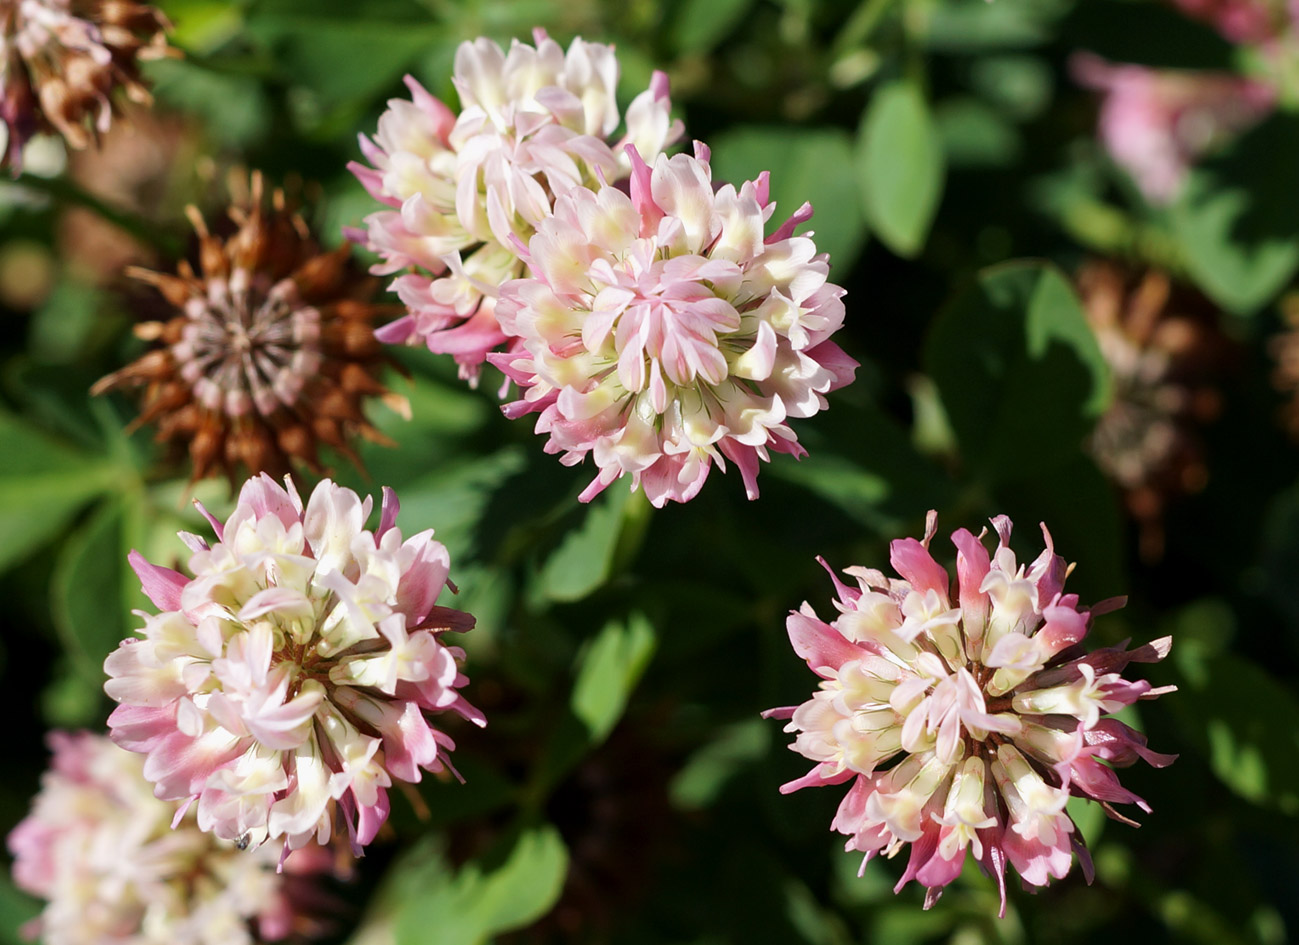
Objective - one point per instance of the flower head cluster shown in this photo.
(1156, 123)
(271, 352)
(60, 62)
(662, 332)
(102, 851)
(287, 684)
(966, 715)
(464, 190)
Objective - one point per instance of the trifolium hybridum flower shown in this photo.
(965, 715)
(117, 866)
(289, 683)
(661, 331)
(463, 191)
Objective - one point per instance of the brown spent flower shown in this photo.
(1284, 349)
(272, 351)
(1164, 351)
(61, 61)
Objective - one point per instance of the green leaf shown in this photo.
(1020, 85)
(958, 26)
(702, 778)
(900, 166)
(86, 593)
(1236, 216)
(807, 165)
(699, 25)
(43, 484)
(1021, 375)
(453, 499)
(16, 908)
(1250, 742)
(481, 899)
(610, 668)
(311, 47)
(585, 557)
(234, 109)
(975, 134)
(203, 25)
(863, 462)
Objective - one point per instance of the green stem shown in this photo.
(63, 191)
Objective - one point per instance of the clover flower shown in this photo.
(661, 332)
(271, 352)
(287, 685)
(1155, 123)
(463, 191)
(102, 851)
(61, 61)
(965, 716)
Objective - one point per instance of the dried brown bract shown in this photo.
(271, 353)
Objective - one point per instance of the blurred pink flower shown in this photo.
(1241, 21)
(1155, 123)
(661, 332)
(465, 191)
(102, 852)
(966, 715)
(286, 685)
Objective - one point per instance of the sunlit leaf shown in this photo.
(585, 557)
(482, 898)
(609, 670)
(900, 166)
(706, 773)
(1235, 218)
(43, 484)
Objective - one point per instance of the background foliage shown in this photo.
(625, 789)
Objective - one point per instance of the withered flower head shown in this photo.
(1164, 352)
(271, 352)
(60, 61)
(1284, 348)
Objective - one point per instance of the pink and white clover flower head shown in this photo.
(464, 191)
(289, 682)
(965, 714)
(101, 851)
(1155, 123)
(661, 332)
